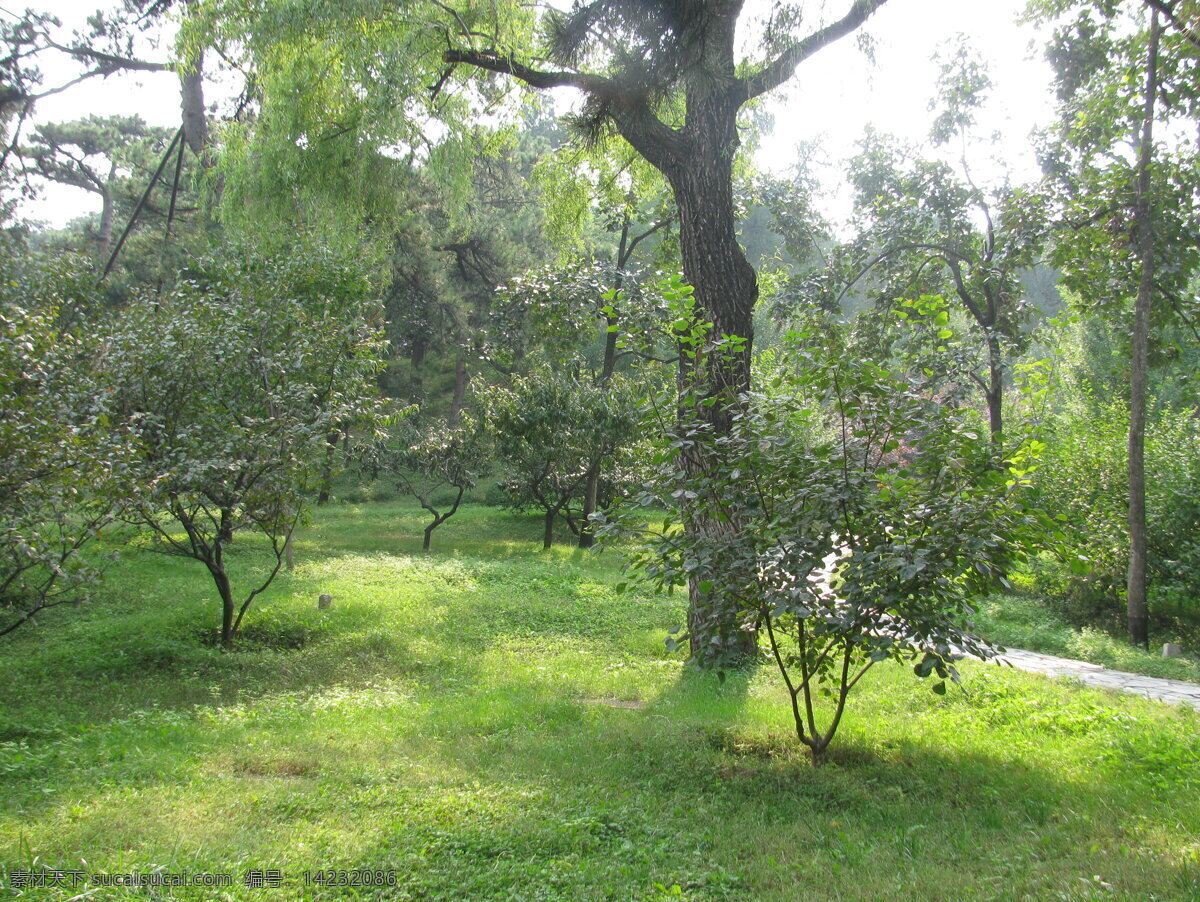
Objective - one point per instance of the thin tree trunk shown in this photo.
(108, 212)
(995, 392)
(1136, 604)
(461, 379)
(228, 608)
(591, 493)
(331, 443)
(591, 490)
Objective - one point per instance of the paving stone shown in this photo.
(1177, 692)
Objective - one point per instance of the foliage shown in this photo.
(927, 228)
(228, 388)
(428, 457)
(550, 426)
(58, 467)
(558, 312)
(1082, 478)
(868, 514)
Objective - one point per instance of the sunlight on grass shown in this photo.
(490, 722)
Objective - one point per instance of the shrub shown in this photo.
(57, 462)
(851, 528)
(228, 388)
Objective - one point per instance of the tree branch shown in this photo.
(535, 78)
(110, 62)
(1190, 32)
(660, 144)
(784, 66)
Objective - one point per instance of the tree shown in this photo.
(59, 468)
(548, 427)
(872, 514)
(918, 234)
(665, 77)
(96, 155)
(431, 458)
(556, 310)
(227, 388)
(1130, 224)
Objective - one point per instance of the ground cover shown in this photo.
(492, 722)
(1027, 621)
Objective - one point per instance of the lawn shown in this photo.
(491, 722)
(1024, 620)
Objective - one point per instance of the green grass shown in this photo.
(1025, 621)
(495, 723)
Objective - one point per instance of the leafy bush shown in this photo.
(1084, 477)
(551, 428)
(228, 389)
(853, 528)
(432, 460)
(57, 460)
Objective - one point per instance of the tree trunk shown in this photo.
(995, 392)
(725, 289)
(195, 122)
(461, 379)
(1136, 604)
(331, 443)
(228, 608)
(108, 211)
(591, 490)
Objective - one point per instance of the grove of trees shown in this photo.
(384, 257)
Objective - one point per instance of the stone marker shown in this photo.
(1171, 650)
(324, 602)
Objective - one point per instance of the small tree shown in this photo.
(228, 389)
(872, 512)
(56, 460)
(549, 427)
(431, 459)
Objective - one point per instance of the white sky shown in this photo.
(834, 95)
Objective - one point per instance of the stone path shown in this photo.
(1177, 692)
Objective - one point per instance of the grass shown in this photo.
(491, 722)
(1025, 621)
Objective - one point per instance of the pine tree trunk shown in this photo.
(195, 122)
(726, 290)
(108, 211)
